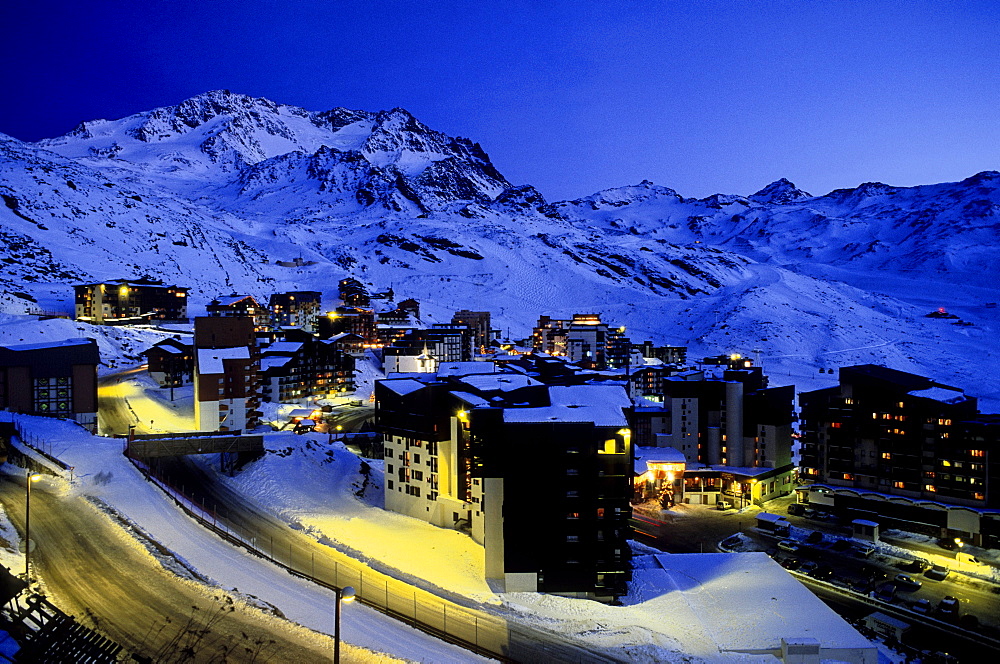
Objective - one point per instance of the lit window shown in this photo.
(898, 485)
(977, 453)
(886, 455)
(834, 425)
(929, 487)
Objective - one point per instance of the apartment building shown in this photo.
(902, 450)
(242, 306)
(295, 309)
(540, 475)
(124, 301)
(227, 362)
(52, 379)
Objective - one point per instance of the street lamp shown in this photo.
(329, 432)
(345, 594)
(31, 477)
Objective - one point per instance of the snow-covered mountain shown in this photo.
(211, 193)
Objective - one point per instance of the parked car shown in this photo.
(946, 543)
(796, 509)
(822, 573)
(948, 607)
(808, 567)
(885, 592)
(906, 582)
(936, 572)
(921, 606)
(731, 541)
(789, 546)
(915, 566)
(791, 563)
(863, 550)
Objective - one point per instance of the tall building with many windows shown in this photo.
(227, 363)
(899, 448)
(540, 475)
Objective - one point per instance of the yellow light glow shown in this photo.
(123, 291)
(462, 415)
(34, 477)
(332, 315)
(734, 356)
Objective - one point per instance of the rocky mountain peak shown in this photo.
(779, 192)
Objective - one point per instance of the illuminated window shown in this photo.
(979, 496)
(900, 404)
(886, 455)
(977, 453)
(898, 485)
(945, 462)
(929, 487)
(849, 401)
(834, 425)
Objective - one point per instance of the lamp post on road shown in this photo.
(345, 594)
(30, 478)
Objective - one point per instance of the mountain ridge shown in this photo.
(227, 185)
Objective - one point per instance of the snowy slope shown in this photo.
(212, 192)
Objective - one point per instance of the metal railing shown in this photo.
(474, 630)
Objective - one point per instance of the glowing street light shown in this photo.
(345, 594)
(31, 478)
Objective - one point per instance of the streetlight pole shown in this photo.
(31, 477)
(345, 594)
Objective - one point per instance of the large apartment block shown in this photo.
(295, 309)
(123, 301)
(540, 475)
(57, 379)
(585, 340)
(899, 448)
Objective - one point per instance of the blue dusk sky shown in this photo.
(703, 96)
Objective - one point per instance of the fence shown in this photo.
(476, 631)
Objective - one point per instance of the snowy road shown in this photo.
(94, 571)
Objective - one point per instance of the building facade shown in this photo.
(240, 305)
(902, 450)
(125, 301)
(227, 363)
(303, 370)
(734, 432)
(462, 447)
(51, 379)
(295, 309)
(171, 363)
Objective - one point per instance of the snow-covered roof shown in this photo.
(600, 404)
(471, 399)
(230, 300)
(402, 386)
(49, 344)
(942, 394)
(210, 359)
(663, 454)
(273, 362)
(465, 368)
(499, 381)
(742, 602)
(282, 347)
(768, 516)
